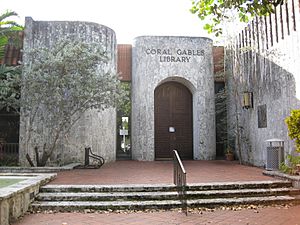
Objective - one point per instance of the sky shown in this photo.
(128, 18)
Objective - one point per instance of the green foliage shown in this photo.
(8, 31)
(293, 123)
(124, 105)
(10, 78)
(59, 85)
(221, 117)
(217, 10)
(285, 168)
(290, 167)
(228, 150)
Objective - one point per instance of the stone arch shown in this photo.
(180, 80)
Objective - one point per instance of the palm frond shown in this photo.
(9, 23)
(7, 14)
(3, 42)
(8, 31)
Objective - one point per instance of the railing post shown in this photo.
(180, 180)
(86, 156)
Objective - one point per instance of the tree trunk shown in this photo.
(29, 160)
(46, 155)
(37, 157)
(44, 158)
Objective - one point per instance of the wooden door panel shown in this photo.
(173, 108)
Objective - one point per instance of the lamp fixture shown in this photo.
(247, 102)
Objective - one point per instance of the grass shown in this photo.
(7, 182)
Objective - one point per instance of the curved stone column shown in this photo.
(95, 129)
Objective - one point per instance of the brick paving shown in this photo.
(136, 172)
(133, 172)
(262, 216)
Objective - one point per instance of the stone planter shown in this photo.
(229, 157)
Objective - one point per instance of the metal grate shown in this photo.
(274, 157)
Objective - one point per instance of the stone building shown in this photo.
(172, 79)
(173, 84)
(172, 95)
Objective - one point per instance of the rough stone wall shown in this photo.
(273, 91)
(95, 129)
(15, 199)
(269, 69)
(153, 65)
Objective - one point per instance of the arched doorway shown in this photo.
(173, 121)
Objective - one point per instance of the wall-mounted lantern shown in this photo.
(247, 100)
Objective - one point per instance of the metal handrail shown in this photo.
(180, 180)
(98, 157)
(90, 154)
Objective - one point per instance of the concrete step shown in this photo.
(156, 196)
(124, 196)
(166, 187)
(158, 204)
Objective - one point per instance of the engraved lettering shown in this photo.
(180, 55)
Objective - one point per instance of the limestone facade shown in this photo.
(160, 59)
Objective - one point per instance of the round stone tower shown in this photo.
(95, 129)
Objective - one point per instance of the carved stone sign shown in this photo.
(175, 55)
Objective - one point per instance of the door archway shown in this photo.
(173, 121)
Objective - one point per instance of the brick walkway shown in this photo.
(132, 172)
(136, 172)
(260, 216)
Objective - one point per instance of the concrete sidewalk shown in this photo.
(137, 172)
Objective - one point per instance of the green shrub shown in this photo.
(293, 123)
(290, 167)
(9, 160)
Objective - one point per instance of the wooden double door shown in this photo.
(173, 121)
